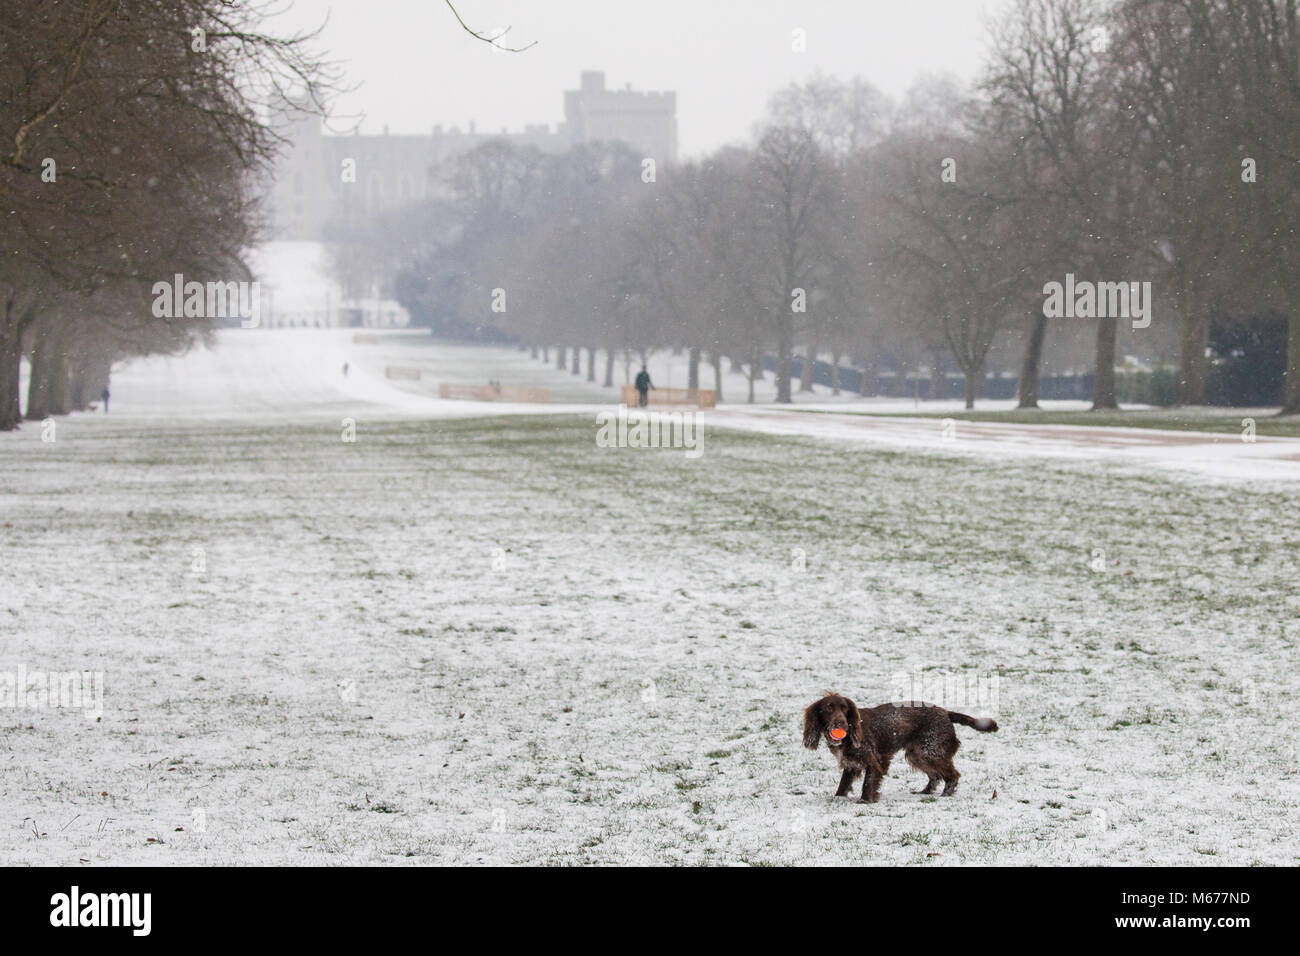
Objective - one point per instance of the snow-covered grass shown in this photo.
(1201, 418)
(488, 640)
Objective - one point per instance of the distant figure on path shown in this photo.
(104, 396)
(643, 386)
(345, 369)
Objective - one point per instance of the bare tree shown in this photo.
(129, 136)
(1052, 97)
(791, 177)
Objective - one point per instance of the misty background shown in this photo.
(723, 59)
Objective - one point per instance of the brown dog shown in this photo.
(866, 741)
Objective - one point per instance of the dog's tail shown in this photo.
(984, 725)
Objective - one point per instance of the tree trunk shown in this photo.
(77, 390)
(938, 381)
(13, 323)
(609, 368)
(532, 351)
(61, 369)
(809, 366)
(546, 354)
(47, 391)
(972, 385)
(591, 365)
(1103, 382)
(693, 369)
(900, 381)
(1027, 387)
(1291, 383)
(717, 377)
(559, 358)
(867, 386)
(784, 353)
(1192, 364)
(11, 357)
(89, 375)
(575, 365)
(38, 391)
(835, 373)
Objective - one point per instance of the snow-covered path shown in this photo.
(1209, 454)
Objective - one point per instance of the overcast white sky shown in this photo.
(416, 67)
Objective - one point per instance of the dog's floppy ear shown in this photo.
(855, 724)
(813, 722)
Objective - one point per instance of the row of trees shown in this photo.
(131, 136)
(1140, 140)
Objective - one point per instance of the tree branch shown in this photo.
(490, 41)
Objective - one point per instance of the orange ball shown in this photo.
(838, 734)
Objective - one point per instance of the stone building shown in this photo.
(308, 187)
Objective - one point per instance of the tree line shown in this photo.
(1113, 144)
(132, 136)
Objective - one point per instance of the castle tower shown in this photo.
(645, 121)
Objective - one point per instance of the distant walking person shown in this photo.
(345, 369)
(104, 396)
(643, 386)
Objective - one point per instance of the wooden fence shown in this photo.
(699, 397)
(493, 393)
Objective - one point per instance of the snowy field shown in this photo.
(486, 640)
